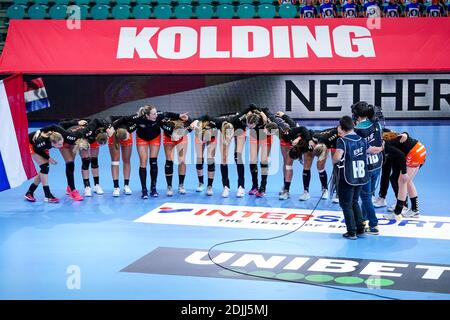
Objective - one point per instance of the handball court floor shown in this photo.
(42, 246)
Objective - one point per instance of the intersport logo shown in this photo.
(182, 42)
(266, 218)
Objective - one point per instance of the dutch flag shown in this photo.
(16, 165)
(35, 95)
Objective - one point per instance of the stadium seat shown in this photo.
(80, 2)
(184, 1)
(160, 2)
(16, 11)
(127, 2)
(97, 2)
(100, 12)
(77, 12)
(207, 2)
(266, 11)
(183, 11)
(245, 11)
(121, 11)
(162, 11)
(37, 11)
(40, 2)
(65, 2)
(20, 1)
(244, 2)
(225, 11)
(204, 11)
(142, 11)
(287, 11)
(58, 12)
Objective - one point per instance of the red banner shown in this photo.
(227, 46)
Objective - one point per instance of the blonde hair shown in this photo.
(81, 144)
(120, 134)
(320, 151)
(55, 137)
(224, 128)
(145, 110)
(101, 138)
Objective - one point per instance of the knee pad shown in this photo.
(115, 163)
(85, 162)
(45, 168)
(211, 167)
(70, 166)
(199, 165)
(94, 163)
(153, 161)
(169, 167)
(289, 168)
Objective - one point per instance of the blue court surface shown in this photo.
(95, 249)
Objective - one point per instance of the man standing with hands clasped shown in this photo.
(351, 156)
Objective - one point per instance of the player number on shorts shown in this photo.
(358, 169)
(372, 158)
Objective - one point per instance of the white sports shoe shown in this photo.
(240, 192)
(393, 216)
(116, 192)
(98, 189)
(284, 195)
(335, 198)
(181, 189)
(169, 191)
(209, 191)
(325, 194)
(392, 208)
(411, 214)
(87, 192)
(200, 187)
(379, 202)
(305, 196)
(226, 192)
(127, 190)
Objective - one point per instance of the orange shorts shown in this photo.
(30, 146)
(154, 142)
(126, 143)
(94, 145)
(267, 140)
(285, 143)
(416, 157)
(198, 141)
(168, 140)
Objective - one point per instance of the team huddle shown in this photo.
(360, 148)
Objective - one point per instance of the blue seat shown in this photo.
(245, 11)
(37, 11)
(183, 11)
(121, 11)
(287, 11)
(16, 11)
(142, 11)
(204, 11)
(58, 12)
(100, 12)
(225, 11)
(162, 11)
(266, 11)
